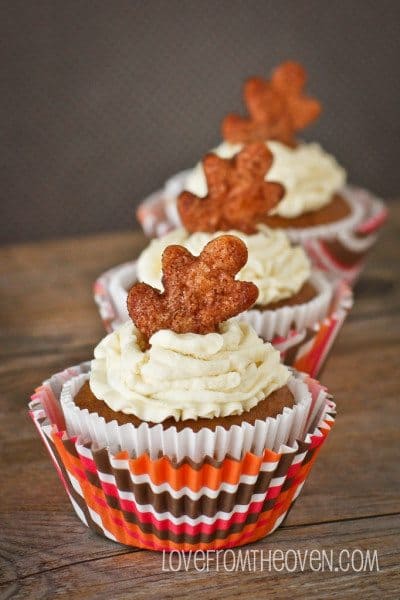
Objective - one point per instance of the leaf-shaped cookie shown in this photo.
(277, 108)
(199, 292)
(238, 196)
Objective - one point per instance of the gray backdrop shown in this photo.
(101, 101)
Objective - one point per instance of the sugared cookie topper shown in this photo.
(238, 196)
(199, 292)
(278, 108)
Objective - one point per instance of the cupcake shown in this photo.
(292, 295)
(186, 432)
(335, 223)
(293, 298)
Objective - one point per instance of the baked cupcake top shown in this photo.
(181, 356)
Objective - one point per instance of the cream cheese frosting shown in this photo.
(309, 174)
(278, 269)
(186, 376)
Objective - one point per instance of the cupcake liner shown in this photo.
(178, 445)
(161, 503)
(338, 248)
(310, 353)
(270, 324)
(302, 333)
(158, 213)
(343, 253)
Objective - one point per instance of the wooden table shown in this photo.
(49, 321)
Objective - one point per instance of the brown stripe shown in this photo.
(347, 257)
(70, 448)
(302, 446)
(113, 502)
(203, 506)
(101, 459)
(167, 534)
(93, 478)
(284, 464)
(80, 501)
(291, 353)
(309, 455)
(164, 502)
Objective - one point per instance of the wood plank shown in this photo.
(140, 575)
(47, 291)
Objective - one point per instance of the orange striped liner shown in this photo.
(185, 475)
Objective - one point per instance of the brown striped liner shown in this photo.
(165, 502)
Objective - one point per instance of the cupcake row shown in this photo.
(307, 232)
(337, 223)
(198, 420)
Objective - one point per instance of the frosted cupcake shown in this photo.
(335, 223)
(312, 180)
(291, 294)
(299, 309)
(186, 432)
(278, 109)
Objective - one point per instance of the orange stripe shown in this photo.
(162, 470)
(306, 362)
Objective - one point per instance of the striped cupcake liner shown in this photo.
(305, 346)
(160, 503)
(337, 248)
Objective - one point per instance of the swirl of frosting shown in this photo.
(309, 174)
(278, 269)
(186, 376)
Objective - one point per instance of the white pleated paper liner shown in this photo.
(115, 284)
(272, 323)
(273, 433)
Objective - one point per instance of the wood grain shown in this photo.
(140, 574)
(53, 281)
(49, 321)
